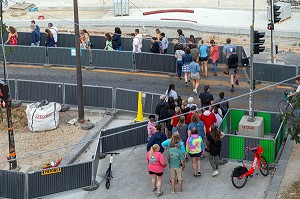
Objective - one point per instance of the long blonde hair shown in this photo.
(174, 139)
(152, 149)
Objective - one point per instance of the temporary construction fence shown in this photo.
(233, 145)
(121, 60)
(18, 185)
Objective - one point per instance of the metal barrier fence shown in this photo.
(233, 145)
(59, 179)
(123, 140)
(274, 72)
(12, 184)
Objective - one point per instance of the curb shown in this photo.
(277, 178)
(92, 134)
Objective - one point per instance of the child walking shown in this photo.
(177, 164)
(151, 126)
(214, 139)
(156, 165)
(193, 147)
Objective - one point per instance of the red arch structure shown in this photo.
(166, 11)
(171, 19)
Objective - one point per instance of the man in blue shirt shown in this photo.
(226, 53)
(37, 28)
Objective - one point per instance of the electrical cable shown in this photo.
(119, 132)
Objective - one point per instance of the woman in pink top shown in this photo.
(214, 55)
(156, 165)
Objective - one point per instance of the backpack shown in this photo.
(159, 106)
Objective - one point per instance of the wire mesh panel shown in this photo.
(55, 180)
(12, 184)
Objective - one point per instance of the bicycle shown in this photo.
(108, 173)
(240, 174)
(286, 106)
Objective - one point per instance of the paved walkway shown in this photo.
(214, 19)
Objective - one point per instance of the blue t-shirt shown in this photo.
(203, 50)
(187, 59)
(38, 30)
(194, 67)
(176, 156)
(167, 145)
(199, 126)
(226, 49)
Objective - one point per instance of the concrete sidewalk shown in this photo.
(208, 20)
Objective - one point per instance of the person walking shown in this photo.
(157, 138)
(164, 43)
(54, 32)
(187, 58)
(206, 98)
(218, 114)
(192, 41)
(136, 46)
(215, 144)
(224, 104)
(195, 74)
(12, 36)
(175, 119)
(116, 39)
(203, 57)
(156, 164)
(139, 37)
(182, 129)
(214, 56)
(50, 42)
(177, 165)
(181, 38)
(35, 39)
(193, 147)
(151, 126)
(108, 43)
(199, 125)
(37, 28)
(178, 55)
(226, 53)
(171, 93)
(232, 65)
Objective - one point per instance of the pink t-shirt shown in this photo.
(151, 129)
(155, 163)
(214, 53)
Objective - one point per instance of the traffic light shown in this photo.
(277, 13)
(276, 49)
(270, 26)
(258, 42)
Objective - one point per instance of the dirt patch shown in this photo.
(292, 192)
(28, 143)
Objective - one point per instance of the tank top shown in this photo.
(13, 40)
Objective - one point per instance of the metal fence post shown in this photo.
(133, 61)
(47, 57)
(64, 94)
(16, 89)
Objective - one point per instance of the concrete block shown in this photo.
(281, 168)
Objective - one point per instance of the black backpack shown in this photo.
(159, 106)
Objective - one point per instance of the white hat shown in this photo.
(190, 100)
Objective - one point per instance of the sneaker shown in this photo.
(202, 157)
(159, 194)
(179, 191)
(195, 91)
(189, 80)
(154, 189)
(216, 172)
(179, 78)
(199, 173)
(186, 84)
(215, 74)
(237, 82)
(232, 90)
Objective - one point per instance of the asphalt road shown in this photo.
(266, 100)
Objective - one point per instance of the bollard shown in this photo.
(139, 116)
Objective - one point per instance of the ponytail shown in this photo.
(151, 152)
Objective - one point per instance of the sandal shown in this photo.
(199, 173)
(195, 175)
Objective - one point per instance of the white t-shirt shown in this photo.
(140, 37)
(136, 42)
(54, 33)
(172, 93)
(298, 89)
(218, 117)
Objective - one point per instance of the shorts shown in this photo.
(158, 174)
(195, 155)
(195, 75)
(232, 71)
(176, 172)
(226, 61)
(203, 58)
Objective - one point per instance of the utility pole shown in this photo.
(251, 117)
(78, 65)
(273, 57)
(6, 103)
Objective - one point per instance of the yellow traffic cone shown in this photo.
(139, 116)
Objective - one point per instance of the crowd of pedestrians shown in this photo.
(184, 133)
